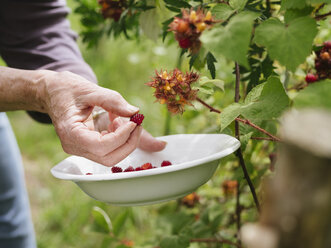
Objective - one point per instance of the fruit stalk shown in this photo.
(245, 121)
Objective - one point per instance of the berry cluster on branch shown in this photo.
(174, 89)
(322, 64)
(112, 9)
(189, 27)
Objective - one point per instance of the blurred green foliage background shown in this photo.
(62, 213)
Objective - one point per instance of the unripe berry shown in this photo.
(193, 16)
(208, 16)
(182, 27)
(201, 26)
(185, 43)
(325, 56)
(310, 78)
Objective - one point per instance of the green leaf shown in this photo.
(222, 11)
(204, 89)
(102, 222)
(254, 94)
(244, 139)
(237, 4)
(293, 4)
(217, 82)
(211, 64)
(289, 44)
(292, 14)
(267, 103)
(264, 102)
(174, 241)
(119, 222)
(178, 3)
(229, 114)
(148, 21)
(182, 240)
(198, 61)
(318, 1)
(317, 95)
(233, 40)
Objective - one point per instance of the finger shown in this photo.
(104, 132)
(110, 101)
(100, 145)
(117, 123)
(151, 144)
(122, 152)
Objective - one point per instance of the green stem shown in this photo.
(167, 124)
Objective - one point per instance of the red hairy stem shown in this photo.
(247, 122)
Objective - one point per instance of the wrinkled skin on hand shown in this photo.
(69, 100)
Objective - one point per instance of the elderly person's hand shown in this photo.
(69, 100)
(105, 122)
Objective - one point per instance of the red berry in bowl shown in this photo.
(138, 169)
(116, 169)
(165, 163)
(310, 78)
(137, 118)
(88, 173)
(147, 166)
(130, 168)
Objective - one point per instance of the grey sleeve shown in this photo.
(35, 34)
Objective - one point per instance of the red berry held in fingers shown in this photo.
(130, 168)
(165, 163)
(310, 78)
(147, 166)
(137, 118)
(116, 169)
(88, 173)
(185, 43)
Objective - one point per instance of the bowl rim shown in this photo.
(144, 173)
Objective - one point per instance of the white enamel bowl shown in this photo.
(195, 158)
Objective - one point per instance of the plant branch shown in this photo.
(298, 87)
(220, 241)
(238, 212)
(248, 179)
(319, 8)
(237, 86)
(319, 17)
(247, 122)
(262, 138)
(239, 152)
(208, 106)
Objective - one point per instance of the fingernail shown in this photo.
(133, 108)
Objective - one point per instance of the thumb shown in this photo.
(111, 101)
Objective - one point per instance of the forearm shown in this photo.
(21, 89)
